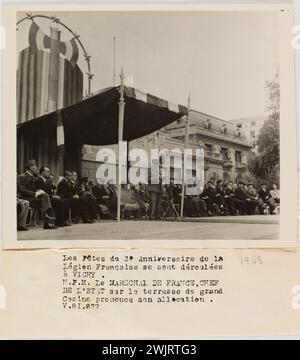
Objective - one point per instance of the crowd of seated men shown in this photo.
(216, 199)
(233, 199)
(157, 201)
(75, 200)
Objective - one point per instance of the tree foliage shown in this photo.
(265, 166)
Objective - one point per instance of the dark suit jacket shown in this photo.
(264, 195)
(240, 194)
(229, 192)
(26, 186)
(46, 186)
(210, 193)
(99, 192)
(220, 191)
(65, 189)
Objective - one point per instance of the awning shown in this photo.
(94, 120)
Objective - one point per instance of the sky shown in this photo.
(222, 58)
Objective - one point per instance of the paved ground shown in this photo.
(229, 227)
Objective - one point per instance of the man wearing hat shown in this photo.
(38, 198)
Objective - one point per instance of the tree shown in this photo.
(265, 166)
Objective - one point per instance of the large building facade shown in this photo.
(251, 127)
(226, 149)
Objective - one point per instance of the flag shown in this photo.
(60, 134)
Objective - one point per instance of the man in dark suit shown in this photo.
(230, 198)
(209, 195)
(220, 197)
(29, 190)
(240, 198)
(67, 192)
(58, 204)
(87, 202)
(75, 206)
(264, 199)
(251, 199)
(105, 194)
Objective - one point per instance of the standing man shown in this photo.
(155, 191)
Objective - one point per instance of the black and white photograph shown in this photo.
(152, 153)
(148, 125)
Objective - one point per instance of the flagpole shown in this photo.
(120, 139)
(186, 140)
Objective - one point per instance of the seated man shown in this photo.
(88, 207)
(142, 199)
(202, 206)
(264, 200)
(58, 204)
(220, 197)
(52, 185)
(38, 198)
(275, 193)
(240, 198)
(251, 199)
(22, 211)
(274, 199)
(106, 197)
(67, 192)
(230, 199)
(191, 206)
(209, 196)
(75, 211)
(22, 214)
